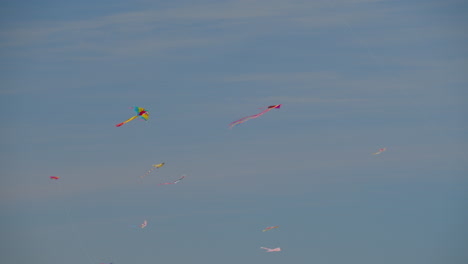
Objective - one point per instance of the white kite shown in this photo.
(271, 249)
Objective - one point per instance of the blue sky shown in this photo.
(352, 76)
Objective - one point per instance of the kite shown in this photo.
(54, 177)
(271, 249)
(155, 166)
(145, 223)
(380, 151)
(242, 120)
(174, 182)
(141, 112)
(159, 165)
(268, 228)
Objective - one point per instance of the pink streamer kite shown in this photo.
(174, 182)
(242, 120)
(380, 151)
(271, 249)
(145, 223)
(270, 227)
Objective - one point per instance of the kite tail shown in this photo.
(126, 121)
(242, 120)
(147, 173)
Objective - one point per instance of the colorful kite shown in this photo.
(141, 112)
(271, 249)
(54, 177)
(268, 228)
(155, 166)
(145, 223)
(242, 120)
(174, 182)
(380, 151)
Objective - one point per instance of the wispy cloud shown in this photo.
(300, 99)
(274, 77)
(139, 32)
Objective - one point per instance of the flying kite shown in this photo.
(155, 166)
(271, 249)
(268, 228)
(141, 112)
(54, 177)
(380, 151)
(145, 223)
(242, 120)
(174, 182)
(159, 165)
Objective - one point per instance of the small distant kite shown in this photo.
(242, 120)
(145, 223)
(269, 228)
(159, 165)
(155, 166)
(380, 151)
(141, 112)
(54, 177)
(174, 182)
(271, 249)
